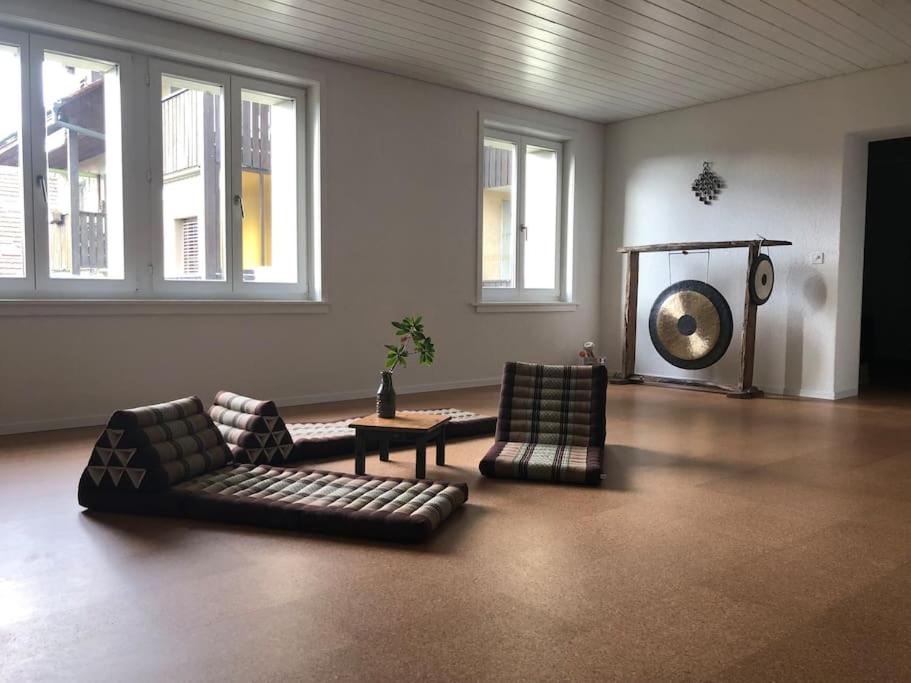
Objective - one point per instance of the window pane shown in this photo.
(268, 155)
(84, 167)
(541, 218)
(193, 189)
(12, 218)
(498, 231)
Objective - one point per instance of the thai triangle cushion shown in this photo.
(153, 447)
(253, 429)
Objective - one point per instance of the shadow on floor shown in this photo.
(153, 533)
(621, 463)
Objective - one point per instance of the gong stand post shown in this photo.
(744, 387)
(630, 309)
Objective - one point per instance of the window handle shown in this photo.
(239, 201)
(524, 229)
(42, 183)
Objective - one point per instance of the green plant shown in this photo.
(409, 330)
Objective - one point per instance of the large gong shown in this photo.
(691, 324)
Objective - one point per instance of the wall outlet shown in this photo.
(816, 258)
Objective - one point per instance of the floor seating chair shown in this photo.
(171, 459)
(551, 424)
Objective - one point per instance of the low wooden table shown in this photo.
(419, 426)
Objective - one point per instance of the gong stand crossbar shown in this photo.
(744, 387)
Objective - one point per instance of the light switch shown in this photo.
(817, 258)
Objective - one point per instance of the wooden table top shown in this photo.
(402, 422)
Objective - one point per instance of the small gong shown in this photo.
(761, 280)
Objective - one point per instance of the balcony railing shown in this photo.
(188, 114)
(85, 249)
(93, 241)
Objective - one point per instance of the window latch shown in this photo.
(239, 201)
(524, 229)
(42, 183)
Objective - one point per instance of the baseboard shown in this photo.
(802, 393)
(310, 399)
(820, 394)
(52, 424)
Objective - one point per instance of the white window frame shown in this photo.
(47, 286)
(521, 136)
(258, 290)
(140, 114)
(23, 286)
(193, 289)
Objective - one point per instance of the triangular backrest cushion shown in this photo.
(253, 429)
(153, 447)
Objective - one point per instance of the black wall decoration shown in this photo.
(708, 184)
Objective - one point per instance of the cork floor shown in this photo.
(731, 540)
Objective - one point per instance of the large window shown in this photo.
(12, 192)
(124, 176)
(521, 217)
(82, 185)
(267, 137)
(193, 179)
(231, 170)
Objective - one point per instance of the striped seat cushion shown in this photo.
(544, 462)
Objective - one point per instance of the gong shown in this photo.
(691, 324)
(761, 280)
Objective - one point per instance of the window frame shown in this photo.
(258, 290)
(45, 285)
(140, 122)
(23, 286)
(193, 289)
(522, 136)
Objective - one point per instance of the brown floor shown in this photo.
(732, 540)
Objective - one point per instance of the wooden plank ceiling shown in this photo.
(603, 60)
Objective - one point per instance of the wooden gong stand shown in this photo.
(628, 374)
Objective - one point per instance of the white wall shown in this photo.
(794, 160)
(399, 208)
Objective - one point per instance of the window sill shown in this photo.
(141, 307)
(524, 306)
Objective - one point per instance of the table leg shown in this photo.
(441, 446)
(420, 462)
(360, 452)
(384, 448)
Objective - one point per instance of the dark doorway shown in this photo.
(885, 339)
